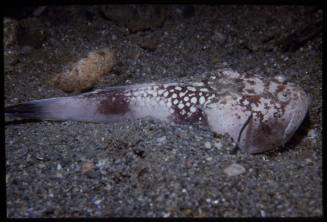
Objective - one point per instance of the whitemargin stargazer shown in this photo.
(258, 113)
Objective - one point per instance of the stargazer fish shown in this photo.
(258, 113)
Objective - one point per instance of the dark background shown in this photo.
(147, 168)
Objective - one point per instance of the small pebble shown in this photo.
(219, 37)
(97, 202)
(41, 165)
(234, 170)
(207, 145)
(59, 167)
(166, 214)
(209, 158)
(308, 161)
(218, 145)
(161, 139)
(101, 164)
(313, 135)
(87, 167)
(108, 187)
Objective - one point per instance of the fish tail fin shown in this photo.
(28, 110)
(62, 108)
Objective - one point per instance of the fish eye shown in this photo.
(283, 96)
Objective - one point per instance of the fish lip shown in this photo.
(286, 134)
(297, 115)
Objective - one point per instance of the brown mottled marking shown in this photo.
(259, 115)
(266, 106)
(278, 82)
(251, 82)
(265, 137)
(118, 106)
(282, 107)
(250, 91)
(280, 88)
(266, 84)
(252, 99)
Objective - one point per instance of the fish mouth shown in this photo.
(289, 130)
(297, 117)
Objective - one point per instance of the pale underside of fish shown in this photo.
(258, 113)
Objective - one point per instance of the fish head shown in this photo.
(279, 112)
(296, 108)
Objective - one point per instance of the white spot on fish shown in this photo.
(246, 102)
(182, 94)
(180, 106)
(204, 90)
(191, 88)
(202, 100)
(231, 74)
(198, 84)
(193, 100)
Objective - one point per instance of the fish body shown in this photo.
(258, 113)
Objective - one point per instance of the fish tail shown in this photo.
(61, 108)
(28, 110)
